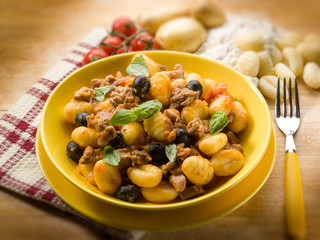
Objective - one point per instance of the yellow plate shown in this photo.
(55, 132)
(112, 215)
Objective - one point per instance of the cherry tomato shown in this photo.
(93, 55)
(110, 43)
(144, 42)
(122, 50)
(124, 25)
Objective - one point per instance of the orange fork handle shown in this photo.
(296, 222)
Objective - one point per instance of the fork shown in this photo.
(295, 215)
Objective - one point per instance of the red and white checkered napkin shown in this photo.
(19, 168)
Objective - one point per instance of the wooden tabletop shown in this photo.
(35, 34)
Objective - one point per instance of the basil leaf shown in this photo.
(101, 92)
(171, 152)
(138, 67)
(123, 117)
(111, 156)
(217, 122)
(148, 109)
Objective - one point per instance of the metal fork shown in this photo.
(294, 197)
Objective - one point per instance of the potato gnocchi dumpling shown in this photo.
(268, 87)
(293, 60)
(227, 162)
(197, 109)
(152, 137)
(198, 170)
(265, 64)
(162, 193)
(283, 71)
(147, 176)
(250, 41)
(248, 64)
(311, 75)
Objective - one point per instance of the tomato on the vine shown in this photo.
(110, 44)
(145, 42)
(124, 25)
(93, 55)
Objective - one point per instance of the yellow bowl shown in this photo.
(55, 132)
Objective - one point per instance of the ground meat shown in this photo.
(176, 170)
(179, 182)
(198, 127)
(123, 97)
(105, 131)
(232, 138)
(194, 151)
(178, 72)
(136, 157)
(172, 135)
(84, 94)
(182, 152)
(191, 192)
(231, 117)
(173, 114)
(162, 67)
(181, 97)
(165, 168)
(235, 146)
(91, 155)
(96, 82)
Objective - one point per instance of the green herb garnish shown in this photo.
(111, 156)
(138, 67)
(148, 109)
(101, 92)
(171, 152)
(217, 122)
(145, 110)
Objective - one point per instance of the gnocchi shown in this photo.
(162, 193)
(250, 41)
(293, 60)
(282, 71)
(227, 162)
(240, 117)
(107, 177)
(311, 75)
(248, 64)
(268, 87)
(198, 170)
(309, 52)
(265, 64)
(210, 144)
(147, 176)
(197, 109)
(150, 139)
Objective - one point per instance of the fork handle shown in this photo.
(296, 222)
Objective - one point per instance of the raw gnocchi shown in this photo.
(265, 64)
(311, 75)
(293, 60)
(268, 87)
(248, 63)
(250, 41)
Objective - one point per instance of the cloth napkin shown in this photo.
(19, 168)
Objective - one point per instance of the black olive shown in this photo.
(183, 137)
(74, 151)
(129, 193)
(195, 86)
(158, 153)
(118, 141)
(81, 119)
(141, 84)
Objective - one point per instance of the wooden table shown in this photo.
(35, 34)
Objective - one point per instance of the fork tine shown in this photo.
(297, 99)
(278, 99)
(290, 98)
(284, 98)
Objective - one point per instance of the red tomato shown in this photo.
(121, 50)
(124, 25)
(110, 43)
(93, 55)
(144, 42)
